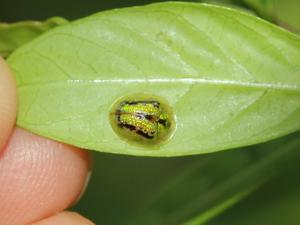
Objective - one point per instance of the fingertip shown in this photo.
(8, 102)
(39, 177)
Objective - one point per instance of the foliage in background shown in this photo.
(170, 191)
(207, 188)
(17, 34)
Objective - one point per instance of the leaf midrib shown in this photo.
(187, 81)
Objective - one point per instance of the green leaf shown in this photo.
(230, 78)
(17, 34)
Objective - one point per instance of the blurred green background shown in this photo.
(283, 12)
(163, 191)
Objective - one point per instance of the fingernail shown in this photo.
(87, 180)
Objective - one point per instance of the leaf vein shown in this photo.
(196, 29)
(187, 81)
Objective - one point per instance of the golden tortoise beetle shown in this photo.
(142, 118)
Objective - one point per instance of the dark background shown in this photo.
(14, 10)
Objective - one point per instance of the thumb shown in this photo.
(8, 102)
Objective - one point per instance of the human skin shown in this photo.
(39, 178)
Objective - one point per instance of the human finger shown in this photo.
(39, 178)
(8, 102)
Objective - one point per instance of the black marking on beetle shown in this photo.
(127, 126)
(149, 117)
(124, 103)
(118, 113)
(154, 103)
(139, 132)
(163, 122)
(145, 135)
